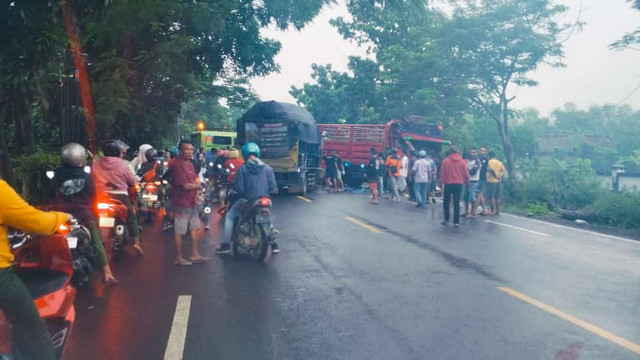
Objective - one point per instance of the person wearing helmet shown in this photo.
(113, 178)
(233, 163)
(141, 158)
(254, 179)
(76, 194)
(421, 174)
(152, 168)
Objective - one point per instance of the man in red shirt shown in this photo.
(184, 192)
(453, 175)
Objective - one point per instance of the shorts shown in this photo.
(482, 185)
(373, 185)
(339, 175)
(470, 194)
(493, 190)
(185, 219)
(331, 175)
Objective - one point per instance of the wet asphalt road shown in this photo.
(361, 281)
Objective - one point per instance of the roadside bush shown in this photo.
(618, 209)
(539, 209)
(557, 184)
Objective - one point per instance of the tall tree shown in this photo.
(501, 42)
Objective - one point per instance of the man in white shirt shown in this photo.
(474, 165)
(421, 174)
(404, 173)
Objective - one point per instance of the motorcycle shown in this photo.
(152, 196)
(253, 229)
(83, 254)
(112, 221)
(45, 266)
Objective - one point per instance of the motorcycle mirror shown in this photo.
(50, 174)
(87, 169)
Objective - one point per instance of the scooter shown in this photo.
(152, 196)
(112, 221)
(253, 229)
(84, 255)
(45, 266)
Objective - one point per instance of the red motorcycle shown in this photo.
(112, 222)
(45, 266)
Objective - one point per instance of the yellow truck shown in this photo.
(208, 139)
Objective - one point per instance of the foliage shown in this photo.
(30, 170)
(539, 209)
(145, 58)
(618, 209)
(558, 185)
(631, 38)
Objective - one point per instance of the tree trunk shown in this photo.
(5, 158)
(506, 147)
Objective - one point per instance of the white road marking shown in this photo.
(613, 237)
(519, 228)
(178, 335)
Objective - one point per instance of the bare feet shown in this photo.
(138, 249)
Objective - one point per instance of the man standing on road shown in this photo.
(473, 164)
(420, 172)
(184, 191)
(482, 182)
(372, 174)
(453, 175)
(340, 171)
(331, 170)
(404, 174)
(495, 172)
(394, 164)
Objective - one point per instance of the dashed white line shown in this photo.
(519, 228)
(178, 335)
(613, 237)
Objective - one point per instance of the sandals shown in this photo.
(201, 260)
(182, 262)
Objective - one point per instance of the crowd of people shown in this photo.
(418, 175)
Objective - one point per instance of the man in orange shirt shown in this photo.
(394, 164)
(454, 174)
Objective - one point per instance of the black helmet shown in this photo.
(111, 148)
(151, 154)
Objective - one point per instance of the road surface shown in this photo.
(361, 281)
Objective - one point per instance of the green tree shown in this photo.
(500, 43)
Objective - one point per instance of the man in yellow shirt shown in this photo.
(29, 331)
(495, 172)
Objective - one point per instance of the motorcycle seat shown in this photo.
(42, 281)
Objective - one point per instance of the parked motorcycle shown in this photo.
(45, 266)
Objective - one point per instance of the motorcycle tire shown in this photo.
(263, 248)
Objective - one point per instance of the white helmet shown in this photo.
(74, 154)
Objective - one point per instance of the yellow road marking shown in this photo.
(574, 320)
(304, 199)
(366, 226)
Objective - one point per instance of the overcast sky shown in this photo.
(594, 74)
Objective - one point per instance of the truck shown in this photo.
(289, 141)
(353, 142)
(219, 139)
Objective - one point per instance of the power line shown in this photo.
(629, 95)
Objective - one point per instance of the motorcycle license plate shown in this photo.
(150, 197)
(107, 222)
(73, 242)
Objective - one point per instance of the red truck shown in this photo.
(353, 142)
